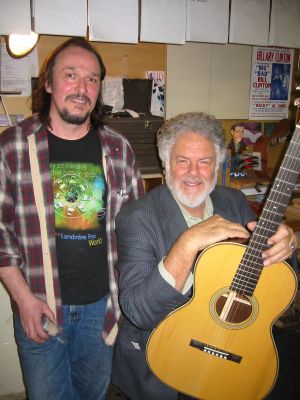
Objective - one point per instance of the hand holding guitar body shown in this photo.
(181, 257)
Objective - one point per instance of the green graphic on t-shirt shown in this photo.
(79, 190)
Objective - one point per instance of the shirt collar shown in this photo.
(190, 219)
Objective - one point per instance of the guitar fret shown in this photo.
(266, 229)
(260, 246)
(252, 271)
(279, 195)
(271, 201)
(282, 193)
(242, 287)
(246, 282)
(291, 171)
(267, 220)
(281, 175)
(293, 157)
(275, 206)
(279, 184)
(255, 261)
(251, 266)
(251, 280)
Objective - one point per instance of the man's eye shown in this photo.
(182, 162)
(92, 79)
(205, 162)
(69, 75)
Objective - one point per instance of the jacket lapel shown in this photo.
(172, 220)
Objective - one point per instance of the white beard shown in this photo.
(184, 199)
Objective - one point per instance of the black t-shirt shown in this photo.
(79, 190)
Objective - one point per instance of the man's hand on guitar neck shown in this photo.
(283, 244)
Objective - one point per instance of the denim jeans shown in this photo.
(72, 366)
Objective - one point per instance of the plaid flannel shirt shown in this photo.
(20, 233)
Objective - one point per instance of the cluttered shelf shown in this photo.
(256, 190)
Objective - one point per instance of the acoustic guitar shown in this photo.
(219, 345)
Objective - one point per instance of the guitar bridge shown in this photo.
(214, 351)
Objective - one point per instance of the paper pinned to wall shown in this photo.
(58, 17)
(113, 21)
(285, 23)
(207, 21)
(163, 21)
(16, 73)
(113, 93)
(249, 22)
(15, 17)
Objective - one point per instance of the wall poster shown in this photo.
(271, 75)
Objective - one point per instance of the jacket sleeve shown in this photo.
(145, 297)
(9, 250)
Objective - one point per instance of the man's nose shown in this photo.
(193, 168)
(82, 85)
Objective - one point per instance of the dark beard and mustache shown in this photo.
(73, 118)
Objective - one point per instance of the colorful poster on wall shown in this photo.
(271, 75)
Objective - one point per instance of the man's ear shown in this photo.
(48, 87)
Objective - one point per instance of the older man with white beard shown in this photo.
(160, 236)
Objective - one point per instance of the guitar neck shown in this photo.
(251, 266)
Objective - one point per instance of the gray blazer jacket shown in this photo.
(146, 230)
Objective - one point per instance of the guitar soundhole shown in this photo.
(233, 308)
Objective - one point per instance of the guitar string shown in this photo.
(282, 185)
(280, 181)
(291, 164)
(270, 216)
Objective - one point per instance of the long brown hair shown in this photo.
(41, 100)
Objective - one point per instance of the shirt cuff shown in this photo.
(171, 280)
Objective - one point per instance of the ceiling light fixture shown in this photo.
(21, 45)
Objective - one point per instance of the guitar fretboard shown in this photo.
(250, 268)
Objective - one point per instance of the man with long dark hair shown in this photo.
(64, 177)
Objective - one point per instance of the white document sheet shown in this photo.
(16, 73)
(285, 23)
(249, 22)
(207, 21)
(163, 21)
(57, 17)
(113, 93)
(113, 20)
(15, 17)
